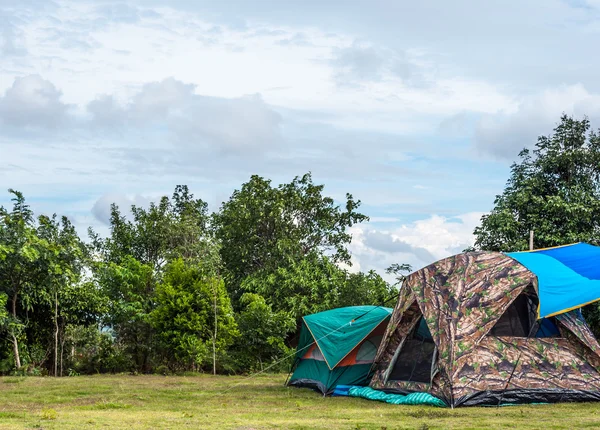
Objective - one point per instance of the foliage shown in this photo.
(172, 228)
(172, 288)
(399, 271)
(20, 267)
(132, 263)
(4, 315)
(315, 284)
(554, 191)
(263, 228)
(91, 351)
(190, 303)
(40, 272)
(262, 334)
(300, 288)
(365, 289)
(129, 287)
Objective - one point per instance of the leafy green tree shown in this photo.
(300, 288)
(399, 271)
(263, 228)
(20, 266)
(315, 284)
(129, 287)
(133, 259)
(93, 351)
(81, 304)
(41, 263)
(172, 228)
(365, 289)
(553, 190)
(193, 319)
(4, 315)
(64, 260)
(262, 334)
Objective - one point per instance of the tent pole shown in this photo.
(294, 364)
(531, 240)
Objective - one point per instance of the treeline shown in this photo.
(173, 287)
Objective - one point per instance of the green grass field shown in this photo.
(234, 402)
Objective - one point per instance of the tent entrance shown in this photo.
(415, 360)
(520, 319)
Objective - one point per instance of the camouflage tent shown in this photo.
(469, 329)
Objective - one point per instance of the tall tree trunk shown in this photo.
(55, 333)
(16, 351)
(62, 348)
(215, 334)
(14, 336)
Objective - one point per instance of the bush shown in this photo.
(262, 335)
(91, 350)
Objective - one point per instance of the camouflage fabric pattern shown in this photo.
(533, 363)
(461, 298)
(575, 323)
(392, 336)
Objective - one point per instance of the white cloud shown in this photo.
(441, 236)
(383, 219)
(81, 48)
(237, 124)
(364, 62)
(11, 43)
(503, 135)
(157, 99)
(418, 243)
(32, 101)
(390, 244)
(106, 112)
(102, 206)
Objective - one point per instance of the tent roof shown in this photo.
(568, 276)
(338, 331)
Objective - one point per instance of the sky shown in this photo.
(417, 110)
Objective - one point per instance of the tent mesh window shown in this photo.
(314, 354)
(415, 361)
(520, 319)
(368, 350)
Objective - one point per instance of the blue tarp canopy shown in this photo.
(568, 276)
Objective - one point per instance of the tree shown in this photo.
(300, 288)
(262, 228)
(365, 289)
(132, 261)
(315, 284)
(193, 316)
(130, 289)
(262, 333)
(41, 263)
(399, 271)
(64, 260)
(554, 191)
(172, 228)
(19, 267)
(4, 315)
(81, 305)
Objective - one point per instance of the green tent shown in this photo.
(337, 347)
